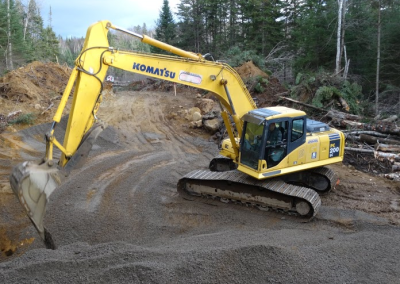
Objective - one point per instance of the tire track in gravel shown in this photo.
(130, 191)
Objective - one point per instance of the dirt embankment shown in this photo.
(32, 90)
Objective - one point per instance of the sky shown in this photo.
(71, 18)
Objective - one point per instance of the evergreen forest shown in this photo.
(345, 47)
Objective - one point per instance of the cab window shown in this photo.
(252, 144)
(297, 129)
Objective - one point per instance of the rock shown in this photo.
(196, 124)
(196, 116)
(212, 125)
(38, 106)
(190, 112)
(193, 110)
(205, 105)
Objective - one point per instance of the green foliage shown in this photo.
(236, 57)
(350, 92)
(70, 49)
(304, 83)
(325, 93)
(312, 33)
(46, 48)
(29, 40)
(260, 82)
(321, 88)
(28, 118)
(304, 78)
(18, 47)
(165, 29)
(298, 78)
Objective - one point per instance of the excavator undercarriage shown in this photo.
(287, 194)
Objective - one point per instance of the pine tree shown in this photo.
(191, 27)
(312, 40)
(165, 26)
(12, 47)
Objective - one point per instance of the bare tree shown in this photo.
(378, 59)
(339, 37)
(27, 18)
(9, 62)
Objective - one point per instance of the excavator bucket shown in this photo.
(33, 183)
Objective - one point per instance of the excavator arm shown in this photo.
(34, 182)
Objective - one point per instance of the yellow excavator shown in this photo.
(274, 158)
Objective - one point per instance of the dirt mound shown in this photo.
(262, 87)
(32, 90)
(37, 81)
(248, 70)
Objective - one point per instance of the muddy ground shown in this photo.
(119, 219)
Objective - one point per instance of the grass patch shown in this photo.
(28, 118)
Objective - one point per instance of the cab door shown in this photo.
(296, 141)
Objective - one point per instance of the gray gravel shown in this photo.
(119, 219)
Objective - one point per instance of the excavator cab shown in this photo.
(264, 143)
(269, 136)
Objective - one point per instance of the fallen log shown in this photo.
(334, 114)
(302, 104)
(388, 156)
(359, 132)
(382, 127)
(388, 128)
(387, 148)
(351, 137)
(343, 103)
(377, 154)
(359, 150)
(374, 140)
(348, 123)
(392, 176)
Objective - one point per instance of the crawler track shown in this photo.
(327, 174)
(235, 186)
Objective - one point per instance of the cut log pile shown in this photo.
(380, 139)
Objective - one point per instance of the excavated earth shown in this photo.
(119, 218)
